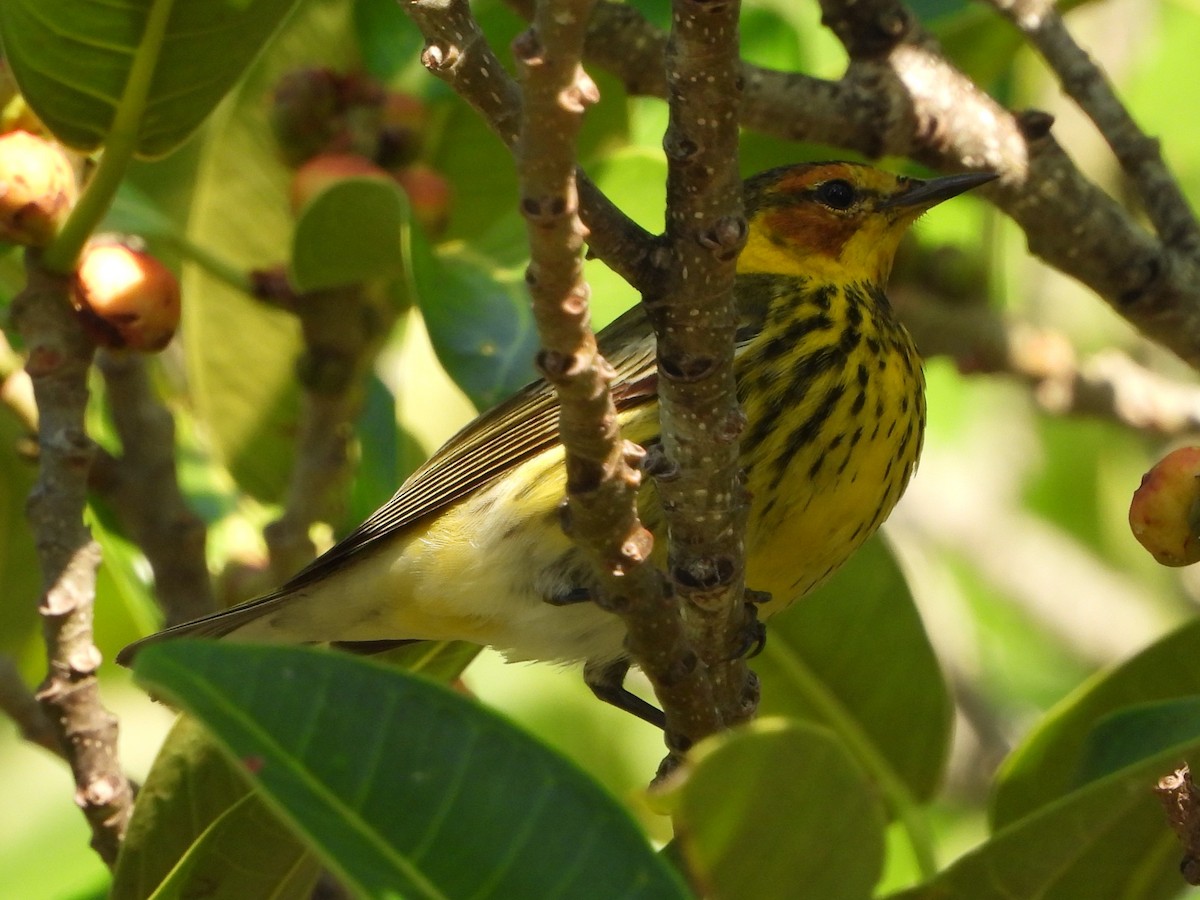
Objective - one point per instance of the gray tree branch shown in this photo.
(59, 356)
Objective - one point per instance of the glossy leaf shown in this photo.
(349, 233)
(241, 354)
(1049, 761)
(75, 60)
(193, 815)
(1130, 735)
(1108, 839)
(476, 309)
(214, 866)
(779, 809)
(396, 781)
(854, 656)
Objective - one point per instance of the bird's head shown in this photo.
(837, 221)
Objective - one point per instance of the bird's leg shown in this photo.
(607, 682)
(753, 636)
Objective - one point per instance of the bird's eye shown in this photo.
(836, 194)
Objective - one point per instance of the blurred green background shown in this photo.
(1013, 537)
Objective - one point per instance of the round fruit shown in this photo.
(128, 300)
(37, 188)
(1165, 512)
(429, 196)
(403, 120)
(324, 170)
(306, 110)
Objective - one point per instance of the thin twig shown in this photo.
(18, 702)
(1107, 385)
(457, 52)
(1084, 82)
(342, 330)
(698, 474)
(58, 362)
(901, 97)
(145, 490)
(603, 473)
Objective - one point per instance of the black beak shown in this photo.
(924, 194)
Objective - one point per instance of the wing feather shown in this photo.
(496, 442)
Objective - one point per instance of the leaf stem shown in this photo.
(119, 147)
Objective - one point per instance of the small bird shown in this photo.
(470, 547)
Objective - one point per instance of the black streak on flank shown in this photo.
(795, 331)
(823, 296)
(809, 367)
(808, 432)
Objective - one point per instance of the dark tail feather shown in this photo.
(212, 626)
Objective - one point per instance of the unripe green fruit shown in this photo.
(1165, 512)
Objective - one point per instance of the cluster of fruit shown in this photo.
(125, 298)
(331, 126)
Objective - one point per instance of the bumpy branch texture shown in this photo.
(457, 52)
(145, 491)
(901, 97)
(603, 471)
(59, 358)
(695, 320)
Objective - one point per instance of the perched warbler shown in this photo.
(470, 547)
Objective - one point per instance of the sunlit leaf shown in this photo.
(854, 656)
(1047, 764)
(349, 233)
(75, 60)
(780, 809)
(1107, 839)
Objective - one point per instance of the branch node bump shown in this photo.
(726, 237)
(1034, 124)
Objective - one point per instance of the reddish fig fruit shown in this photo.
(128, 300)
(403, 119)
(37, 188)
(1165, 512)
(306, 113)
(322, 171)
(429, 196)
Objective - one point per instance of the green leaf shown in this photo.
(636, 180)
(351, 232)
(396, 781)
(779, 809)
(241, 354)
(194, 817)
(1109, 722)
(283, 867)
(768, 40)
(79, 63)
(854, 656)
(1048, 762)
(1106, 840)
(389, 40)
(20, 626)
(476, 309)
(1127, 737)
